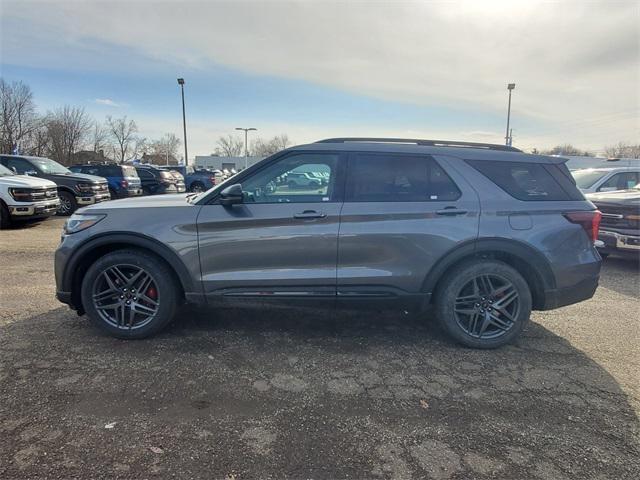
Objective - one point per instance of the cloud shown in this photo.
(574, 63)
(107, 102)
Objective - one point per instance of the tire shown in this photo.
(196, 187)
(475, 318)
(5, 218)
(147, 319)
(68, 204)
(113, 194)
(603, 255)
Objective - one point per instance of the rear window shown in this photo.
(586, 178)
(530, 181)
(129, 171)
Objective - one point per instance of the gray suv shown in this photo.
(482, 233)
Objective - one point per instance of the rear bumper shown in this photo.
(561, 297)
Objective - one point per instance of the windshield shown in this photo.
(5, 172)
(586, 178)
(47, 165)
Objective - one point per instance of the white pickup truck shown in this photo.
(25, 198)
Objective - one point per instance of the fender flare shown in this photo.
(526, 254)
(132, 240)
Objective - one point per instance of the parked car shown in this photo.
(591, 180)
(302, 180)
(123, 180)
(24, 198)
(484, 233)
(620, 226)
(195, 180)
(75, 190)
(155, 180)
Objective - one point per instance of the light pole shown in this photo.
(507, 137)
(246, 147)
(184, 122)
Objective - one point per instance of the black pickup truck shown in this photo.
(620, 224)
(74, 189)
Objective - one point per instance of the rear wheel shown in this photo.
(483, 304)
(68, 204)
(129, 294)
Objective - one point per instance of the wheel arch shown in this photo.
(87, 253)
(531, 264)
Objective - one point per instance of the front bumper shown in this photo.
(91, 199)
(36, 209)
(616, 242)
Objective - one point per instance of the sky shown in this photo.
(322, 69)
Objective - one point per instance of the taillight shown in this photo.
(590, 221)
(212, 179)
(124, 184)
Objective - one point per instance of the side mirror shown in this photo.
(231, 195)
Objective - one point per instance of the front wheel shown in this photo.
(196, 187)
(483, 303)
(129, 294)
(68, 204)
(5, 218)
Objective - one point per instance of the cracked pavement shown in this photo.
(298, 394)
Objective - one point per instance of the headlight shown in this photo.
(78, 222)
(84, 187)
(21, 194)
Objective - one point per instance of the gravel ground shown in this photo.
(282, 394)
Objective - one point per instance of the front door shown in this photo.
(282, 241)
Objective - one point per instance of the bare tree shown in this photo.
(38, 142)
(229, 146)
(623, 150)
(567, 149)
(166, 147)
(18, 117)
(264, 148)
(67, 129)
(123, 134)
(99, 137)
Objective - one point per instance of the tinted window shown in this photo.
(620, 181)
(147, 175)
(301, 178)
(18, 164)
(529, 181)
(398, 178)
(586, 178)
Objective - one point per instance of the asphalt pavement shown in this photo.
(244, 394)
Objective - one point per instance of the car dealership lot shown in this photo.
(297, 394)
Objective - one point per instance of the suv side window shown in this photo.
(20, 165)
(527, 181)
(374, 177)
(298, 178)
(620, 181)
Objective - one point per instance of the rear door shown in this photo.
(402, 213)
(281, 242)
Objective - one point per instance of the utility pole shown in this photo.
(246, 145)
(184, 123)
(507, 136)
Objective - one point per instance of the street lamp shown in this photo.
(246, 147)
(184, 122)
(508, 139)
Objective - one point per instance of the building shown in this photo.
(213, 162)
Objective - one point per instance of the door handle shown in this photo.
(450, 211)
(308, 214)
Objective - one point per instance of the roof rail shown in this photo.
(428, 143)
